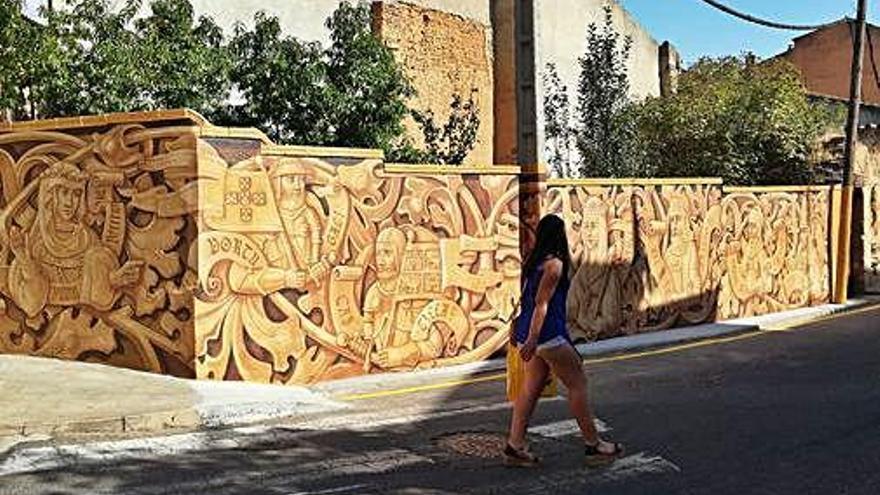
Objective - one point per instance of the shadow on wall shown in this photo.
(653, 255)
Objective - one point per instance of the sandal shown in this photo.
(514, 457)
(596, 458)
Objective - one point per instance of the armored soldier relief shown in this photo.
(310, 271)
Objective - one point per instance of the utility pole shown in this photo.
(852, 132)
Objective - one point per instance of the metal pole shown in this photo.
(852, 131)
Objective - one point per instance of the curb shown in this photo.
(135, 423)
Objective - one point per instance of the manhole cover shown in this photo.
(474, 444)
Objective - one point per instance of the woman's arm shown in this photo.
(546, 287)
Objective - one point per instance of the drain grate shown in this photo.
(484, 445)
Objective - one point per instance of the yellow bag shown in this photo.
(516, 376)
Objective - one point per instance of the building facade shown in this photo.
(824, 58)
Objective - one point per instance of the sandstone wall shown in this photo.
(352, 266)
(98, 216)
(651, 255)
(157, 241)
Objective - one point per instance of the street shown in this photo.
(780, 412)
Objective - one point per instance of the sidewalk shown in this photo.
(47, 397)
(42, 397)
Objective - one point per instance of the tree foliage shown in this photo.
(746, 122)
(281, 85)
(90, 57)
(350, 93)
(603, 136)
(557, 123)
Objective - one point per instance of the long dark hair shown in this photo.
(550, 240)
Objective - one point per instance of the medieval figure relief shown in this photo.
(644, 256)
(91, 264)
(311, 271)
(776, 252)
(60, 261)
(595, 306)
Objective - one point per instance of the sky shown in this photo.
(697, 29)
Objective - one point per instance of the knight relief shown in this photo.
(59, 259)
(339, 271)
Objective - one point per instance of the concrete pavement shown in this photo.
(767, 413)
(61, 398)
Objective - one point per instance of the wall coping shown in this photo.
(671, 181)
(775, 189)
(440, 169)
(213, 131)
(321, 152)
(86, 121)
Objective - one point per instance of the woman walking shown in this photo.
(544, 345)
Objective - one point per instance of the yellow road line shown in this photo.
(676, 348)
(502, 376)
(785, 327)
(422, 388)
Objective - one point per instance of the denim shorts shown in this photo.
(550, 344)
(554, 342)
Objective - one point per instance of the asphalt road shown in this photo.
(778, 413)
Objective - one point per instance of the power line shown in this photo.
(764, 22)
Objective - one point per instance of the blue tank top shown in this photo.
(554, 322)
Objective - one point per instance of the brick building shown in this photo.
(824, 58)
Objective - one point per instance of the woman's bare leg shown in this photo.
(567, 366)
(536, 377)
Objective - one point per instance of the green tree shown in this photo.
(90, 58)
(97, 66)
(184, 60)
(23, 61)
(281, 84)
(746, 122)
(368, 88)
(351, 93)
(557, 127)
(603, 136)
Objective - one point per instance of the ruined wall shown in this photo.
(443, 54)
(651, 255)
(96, 225)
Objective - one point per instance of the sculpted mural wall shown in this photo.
(650, 256)
(94, 232)
(311, 270)
(159, 242)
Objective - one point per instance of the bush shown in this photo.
(745, 122)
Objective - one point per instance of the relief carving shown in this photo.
(345, 270)
(652, 257)
(872, 237)
(143, 247)
(89, 259)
